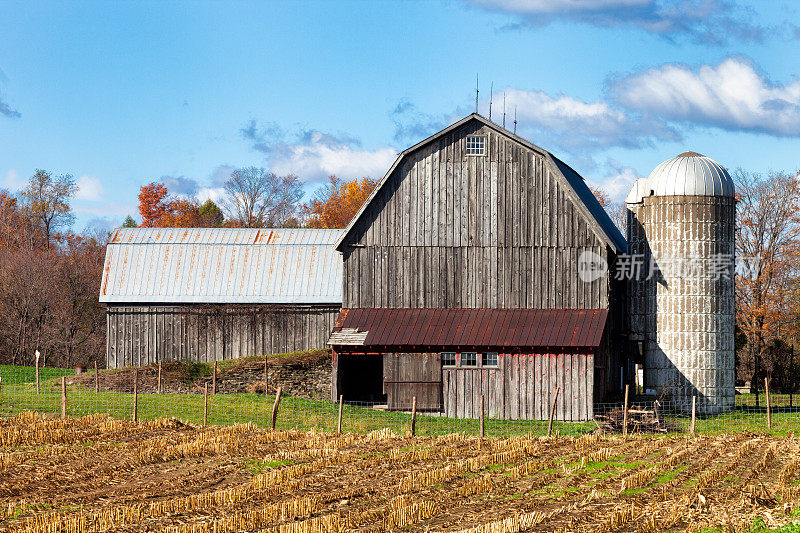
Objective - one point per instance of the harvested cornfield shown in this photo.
(102, 474)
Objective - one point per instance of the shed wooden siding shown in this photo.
(449, 230)
(522, 387)
(140, 335)
(409, 375)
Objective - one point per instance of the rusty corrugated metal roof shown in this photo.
(496, 328)
(202, 265)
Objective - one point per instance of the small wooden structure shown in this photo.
(211, 294)
(477, 267)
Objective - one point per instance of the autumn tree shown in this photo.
(153, 206)
(46, 202)
(768, 235)
(616, 210)
(161, 210)
(600, 194)
(49, 278)
(76, 320)
(335, 204)
(13, 225)
(255, 198)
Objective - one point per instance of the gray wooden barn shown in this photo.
(211, 294)
(468, 272)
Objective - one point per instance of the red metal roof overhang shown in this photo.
(503, 330)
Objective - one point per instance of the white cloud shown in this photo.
(215, 194)
(617, 181)
(412, 125)
(573, 124)
(221, 174)
(89, 189)
(314, 155)
(180, 185)
(538, 7)
(320, 156)
(702, 21)
(731, 95)
(12, 181)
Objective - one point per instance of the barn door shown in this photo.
(406, 375)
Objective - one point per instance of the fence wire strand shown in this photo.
(18, 393)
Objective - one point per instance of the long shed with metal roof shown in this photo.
(475, 275)
(200, 294)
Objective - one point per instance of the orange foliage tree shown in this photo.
(601, 196)
(616, 210)
(160, 210)
(153, 205)
(335, 204)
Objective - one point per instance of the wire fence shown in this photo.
(59, 393)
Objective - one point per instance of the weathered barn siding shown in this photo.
(449, 230)
(208, 294)
(522, 387)
(506, 230)
(140, 335)
(409, 375)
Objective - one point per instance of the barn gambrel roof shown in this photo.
(584, 198)
(222, 265)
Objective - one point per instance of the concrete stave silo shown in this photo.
(681, 222)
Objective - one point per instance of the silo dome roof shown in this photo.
(638, 191)
(690, 174)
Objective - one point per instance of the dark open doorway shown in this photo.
(361, 378)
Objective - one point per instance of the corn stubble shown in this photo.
(98, 474)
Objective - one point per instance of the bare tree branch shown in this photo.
(257, 198)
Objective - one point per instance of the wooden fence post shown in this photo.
(413, 415)
(159, 377)
(694, 414)
(205, 405)
(63, 397)
(483, 429)
(275, 406)
(37, 371)
(135, 414)
(552, 412)
(769, 406)
(625, 413)
(266, 381)
(339, 423)
(96, 379)
(214, 380)
(656, 404)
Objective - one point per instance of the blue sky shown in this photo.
(123, 93)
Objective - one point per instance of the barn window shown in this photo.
(476, 145)
(489, 359)
(469, 359)
(448, 358)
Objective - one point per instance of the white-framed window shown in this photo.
(448, 358)
(476, 145)
(469, 359)
(489, 359)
